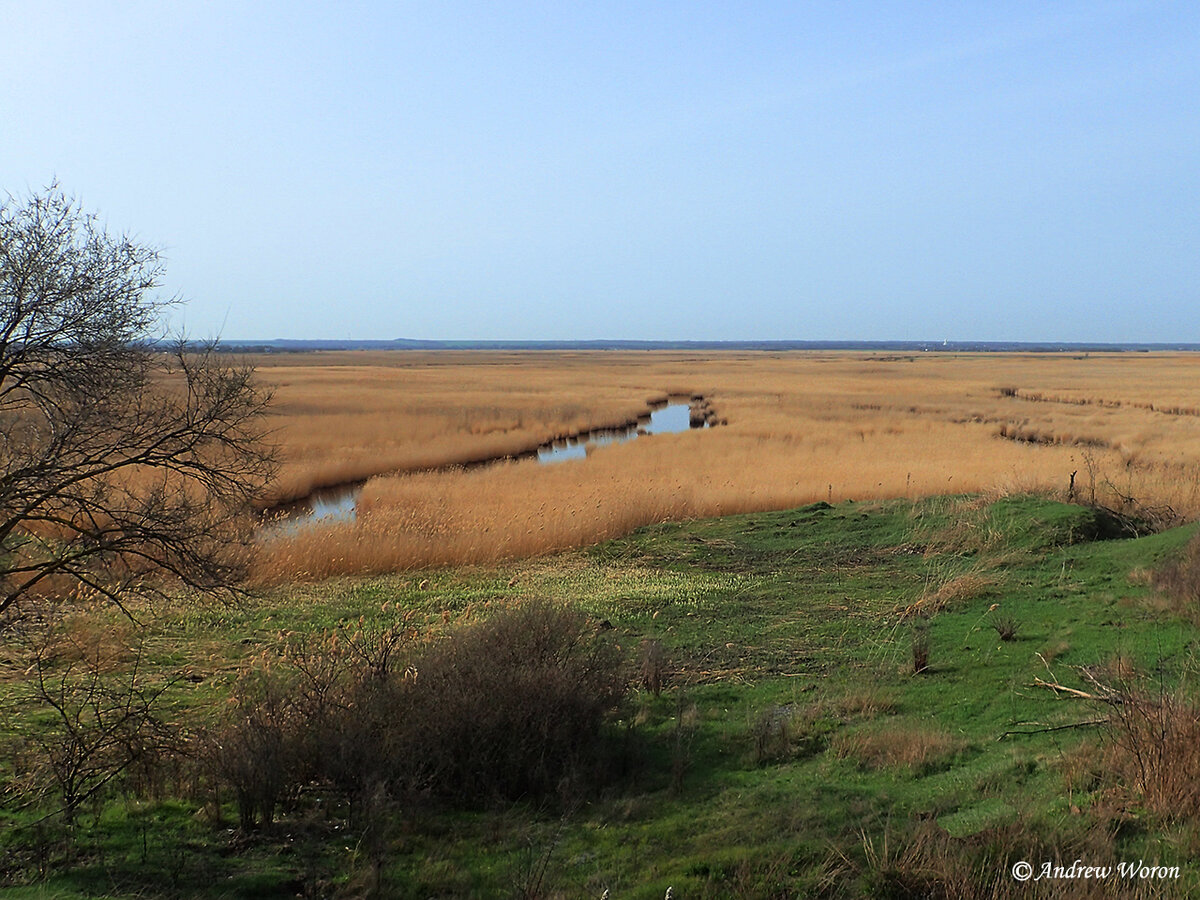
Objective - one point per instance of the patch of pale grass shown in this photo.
(954, 590)
(898, 745)
(865, 703)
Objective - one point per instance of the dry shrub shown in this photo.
(652, 665)
(101, 718)
(787, 732)
(772, 735)
(898, 745)
(1118, 669)
(1153, 751)
(258, 751)
(511, 708)
(305, 713)
(1178, 580)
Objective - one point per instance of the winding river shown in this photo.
(339, 503)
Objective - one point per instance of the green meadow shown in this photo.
(877, 699)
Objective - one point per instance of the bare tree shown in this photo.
(125, 465)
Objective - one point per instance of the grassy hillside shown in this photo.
(846, 701)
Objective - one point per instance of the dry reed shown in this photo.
(801, 427)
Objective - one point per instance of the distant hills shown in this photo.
(292, 346)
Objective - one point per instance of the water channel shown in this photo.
(339, 503)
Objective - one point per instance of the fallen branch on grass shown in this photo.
(1109, 696)
(1048, 728)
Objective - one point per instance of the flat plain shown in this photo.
(795, 428)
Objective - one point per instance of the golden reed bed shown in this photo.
(802, 427)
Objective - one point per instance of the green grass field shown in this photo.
(793, 749)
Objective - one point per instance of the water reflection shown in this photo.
(322, 506)
(670, 418)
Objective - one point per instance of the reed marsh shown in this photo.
(1120, 429)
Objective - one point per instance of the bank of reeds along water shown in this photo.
(801, 428)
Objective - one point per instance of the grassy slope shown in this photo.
(793, 740)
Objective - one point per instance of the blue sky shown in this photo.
(684, 170)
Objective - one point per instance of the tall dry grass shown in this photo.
(801, 427)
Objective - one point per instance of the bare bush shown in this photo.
(1154, 750)
(512, 707)
(653, 665)
(319, 710)
(101, 720)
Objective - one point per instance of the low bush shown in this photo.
(513, 707)
(101, 719)
(653, 664)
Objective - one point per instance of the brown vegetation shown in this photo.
(1177, 582)
(511, 707)
(1154, 751)
(801, 427)
(898, 745)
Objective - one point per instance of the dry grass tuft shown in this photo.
(922, 860)
(952, 591)
(865, 703)
(1053, 651)
(898, 745)
(1006, 627)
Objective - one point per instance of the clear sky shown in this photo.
(642, 170)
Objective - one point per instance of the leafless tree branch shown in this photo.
(125, 465)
